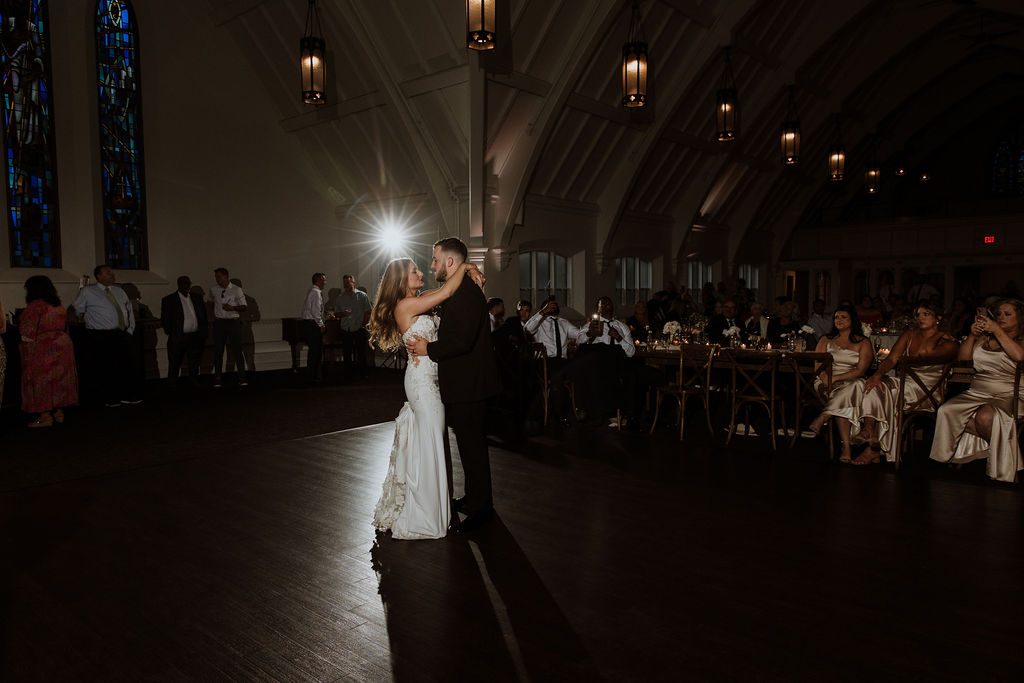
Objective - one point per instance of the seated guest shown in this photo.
(183, 318)
(851, 355)
(49, 381)
(868, 313)
(554, 332)
(601, 376)
(978, 423)
(870, 404)
(718, 324)
(496, 312)
(109, 325)
(786, 323)
(819, 322)
(512, 332)
(756, 326)
(639, 324)
(958, 323)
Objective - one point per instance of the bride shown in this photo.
(415, 502)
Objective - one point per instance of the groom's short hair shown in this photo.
(454, 246)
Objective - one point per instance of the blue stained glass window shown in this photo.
(120, 100)
(29, 150)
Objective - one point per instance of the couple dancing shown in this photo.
(451, 372)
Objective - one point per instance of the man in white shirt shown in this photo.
(605, 330)
(352, 308)
(109, 324)
(183, 318)
(228, 301)
(604, 379)
(495, 312)
(554, 332)
(313, 325)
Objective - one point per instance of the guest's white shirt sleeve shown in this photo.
(314, 306)
(626, 343)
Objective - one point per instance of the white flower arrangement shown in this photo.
(731, 332)
(671, 329)
(807, 329)
(866, 329)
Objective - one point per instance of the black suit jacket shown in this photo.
(463, 352)
(172, 314)
(718, 324)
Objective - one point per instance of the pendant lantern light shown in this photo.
(480, 24)
(634, 63)
(726, 103)
(790, 135)
(837, 157)
(313, 66)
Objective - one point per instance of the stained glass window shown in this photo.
(29, 150)
(124, 207)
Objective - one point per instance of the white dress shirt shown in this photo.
(190, 323)
(494, 322)
(231, 295)
(543, 330)
(604, 338)
(313, 309)
(99, 312)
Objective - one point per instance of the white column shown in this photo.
(477, 147)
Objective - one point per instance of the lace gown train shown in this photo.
(415, 501)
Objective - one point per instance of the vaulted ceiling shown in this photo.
(398, 122)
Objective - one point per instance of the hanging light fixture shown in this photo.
(634, 63)
(790, 136)
(480, 24)
(726, 103)
(313, 66)
(837, 157)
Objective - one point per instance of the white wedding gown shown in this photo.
(415, 501)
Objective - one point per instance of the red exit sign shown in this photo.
(990, 239)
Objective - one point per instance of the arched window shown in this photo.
(542, 274)
(632, 280)
(29, 149)
(121, 167)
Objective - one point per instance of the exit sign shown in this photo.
(990, 239)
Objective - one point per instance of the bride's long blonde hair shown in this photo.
(384, 332)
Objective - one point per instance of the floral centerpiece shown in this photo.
(866, 329)
(672, 329)
(732, 335)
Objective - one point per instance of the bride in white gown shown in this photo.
(415, 502)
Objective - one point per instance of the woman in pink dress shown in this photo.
(49, 381)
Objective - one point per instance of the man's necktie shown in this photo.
(117, 307)
(558, 338)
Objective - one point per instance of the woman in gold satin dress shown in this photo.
(880, 394)
(978, 423)
(851, 356)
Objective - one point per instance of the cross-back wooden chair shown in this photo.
(539, 356)
(911, 371)
(693, 378)
(750, 371)
(1015, 403)
(806, 366)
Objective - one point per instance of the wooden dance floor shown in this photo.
(614, 557)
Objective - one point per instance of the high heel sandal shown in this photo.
(58, 416)
(844, 458)
(872, 456)
(817, 432)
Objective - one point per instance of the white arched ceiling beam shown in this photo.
(521, 136)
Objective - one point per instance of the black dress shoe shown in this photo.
(475, 521)
(458, 504)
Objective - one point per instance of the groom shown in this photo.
(466, 375)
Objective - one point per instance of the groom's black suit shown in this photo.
(467, 376)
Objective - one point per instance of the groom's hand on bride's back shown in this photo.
(476, 276)
(416, 346)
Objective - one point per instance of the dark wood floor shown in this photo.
(614, 557)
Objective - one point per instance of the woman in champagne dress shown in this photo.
(851, 356)
(880, 393)
(979, 423)
(49, 381)
(415, 502)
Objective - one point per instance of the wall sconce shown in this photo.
(790, 135)
(837, 157)
(634, 63)
(480, 24)
(871, 177)
(727, 105)
(313, 66)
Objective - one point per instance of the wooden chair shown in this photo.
(693, 378)
(539, 355)
(805, 367)
(909, 371)
(750, 370)
(1015, 407)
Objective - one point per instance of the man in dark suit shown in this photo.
(720, 323)
(467, 377)
(183, 318)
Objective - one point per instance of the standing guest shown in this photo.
(228, 301)
(313, 327)
(639, 323)
(757, 324)
(353, 308)
(3, 353)
(820, 322)
(495, 312)
(109, 325)
(250, 315)
(785, 324)
(979, 423)
(49, 382)
(921, 290)
(183, 319)
(144, 337)
(852, 354)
